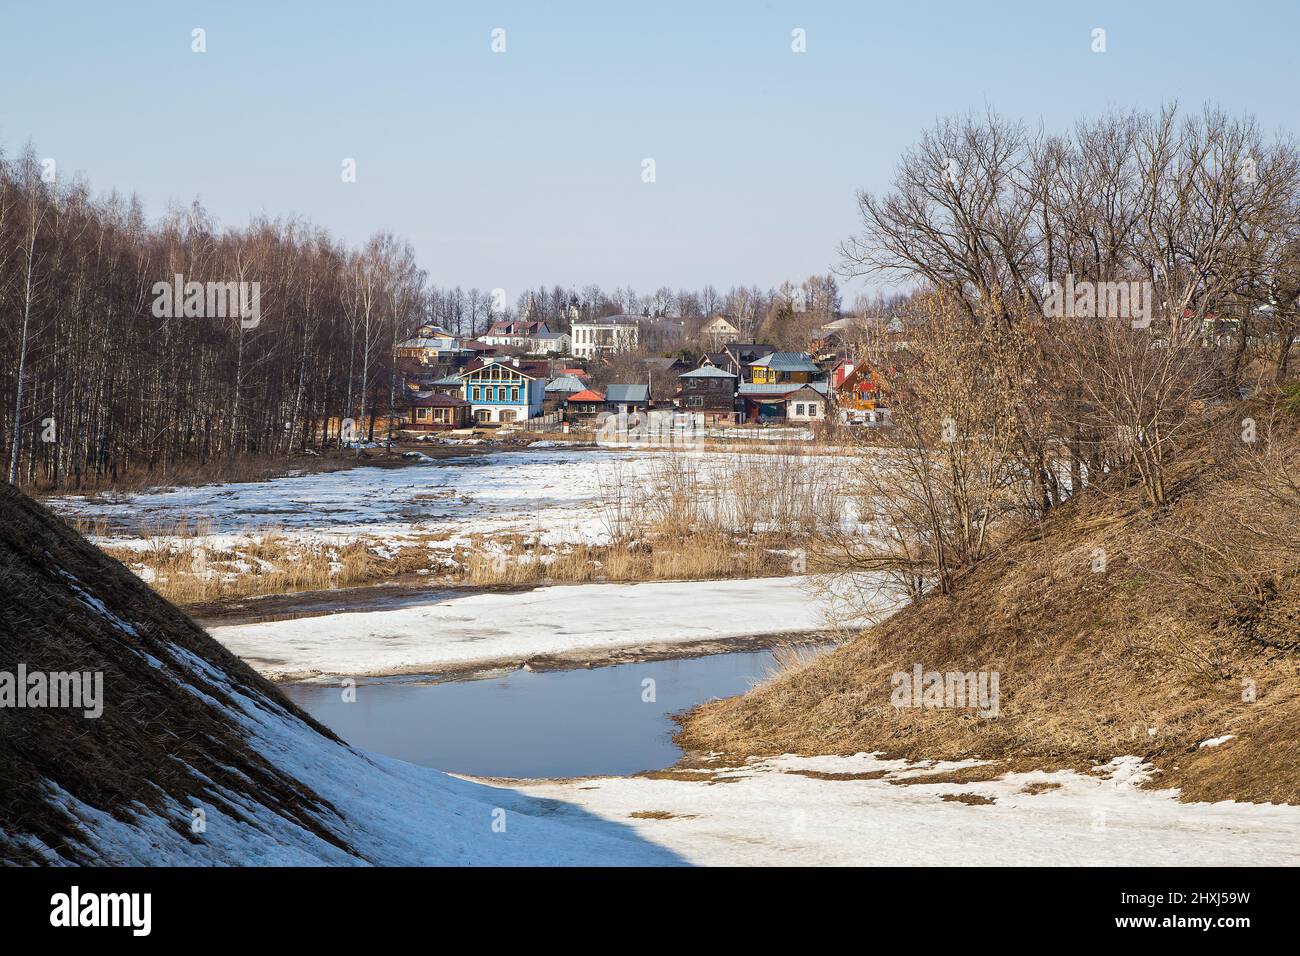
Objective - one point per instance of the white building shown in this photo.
(613, 333)
(549, 343)
(805, 405)
(428, 342)
(718, 331)
(515, 335)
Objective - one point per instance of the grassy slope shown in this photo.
(1089, 662)
(154, 732)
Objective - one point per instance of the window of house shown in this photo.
(422, 414)
(695, 400)
(514, 394)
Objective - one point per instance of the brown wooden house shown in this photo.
(708, 391)
(437, 411)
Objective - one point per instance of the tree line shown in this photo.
(469, 312)
(1082, 306)
(97, 384)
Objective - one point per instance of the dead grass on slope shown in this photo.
(1114, 630)
(165, 741)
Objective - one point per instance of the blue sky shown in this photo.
(509, 170)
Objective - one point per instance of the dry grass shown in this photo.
(687, 519)
(181, 565)
(970, 799)
(698, 557)
(738, 516)
(828, 775)
(1139, 658)
(1034, 789)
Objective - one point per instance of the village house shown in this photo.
(506, 333)
(765, 402)
(549, 343)
(626, 398)
(709, 391)
(806, 404)
(740, 355)
(448, 385)
(781, 367)
(429, 342)
(437, 411)
(718, 331)
(771, 381)
(558, 391)
(716, 360)
(608, 335)
(584, 407)
(503, 391)
(860, 392)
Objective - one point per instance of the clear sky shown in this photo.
(517, 168)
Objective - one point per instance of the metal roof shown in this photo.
(781, 388)
(786, 362)
(627, 393)
(707, 371)
(565, 383)
(427, 344)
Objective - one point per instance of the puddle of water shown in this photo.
(526, 724)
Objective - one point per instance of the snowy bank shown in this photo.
(847, 811)
(498, 629)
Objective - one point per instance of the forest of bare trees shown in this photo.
(1179, 240)
(96, 385)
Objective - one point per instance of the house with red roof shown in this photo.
(584, 406)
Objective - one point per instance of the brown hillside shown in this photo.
(160, 743)
(1197, 607)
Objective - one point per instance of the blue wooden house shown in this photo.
(504, 390)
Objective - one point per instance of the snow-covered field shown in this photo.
(556, 495)
(508, 628)
(492, 492)
(772, 813)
